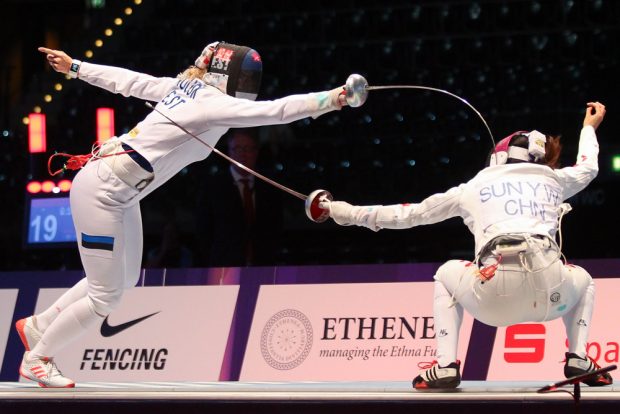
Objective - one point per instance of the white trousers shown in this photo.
(108, 224)
(103, 205)
(513, 296)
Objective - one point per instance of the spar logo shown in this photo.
(286, 339)
(525, 343)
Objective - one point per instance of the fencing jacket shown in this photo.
(200, 108)
(502, 199)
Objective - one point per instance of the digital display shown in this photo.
(50, 221)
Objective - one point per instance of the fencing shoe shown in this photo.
(575, 365)
(435, 376)
(28, 332)
(43, 371)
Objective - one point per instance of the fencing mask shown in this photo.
(234, 70)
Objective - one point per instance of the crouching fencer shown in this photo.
(208, 98)
(513, 208)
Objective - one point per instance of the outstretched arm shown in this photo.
(224, 110)
(115, 80)
(436, 208)
(577, 177)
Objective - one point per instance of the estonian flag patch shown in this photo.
(97, 242)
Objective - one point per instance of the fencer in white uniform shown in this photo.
(208, 99)
(512, 208)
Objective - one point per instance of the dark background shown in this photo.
(522, 64)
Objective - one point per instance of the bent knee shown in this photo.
(579, 277)
(103, 303)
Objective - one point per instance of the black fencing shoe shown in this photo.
(575, 365)
(435, 376)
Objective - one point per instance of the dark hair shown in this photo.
(553, 149)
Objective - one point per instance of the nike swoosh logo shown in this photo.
(108, 330)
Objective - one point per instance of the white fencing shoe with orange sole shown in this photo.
(44, 372)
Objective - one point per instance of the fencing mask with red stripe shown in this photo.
(235, 70)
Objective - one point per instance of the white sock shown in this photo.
(577, 322)
(70, 324)
(448, 318)
(45, 318)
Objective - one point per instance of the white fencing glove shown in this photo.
(339, 211)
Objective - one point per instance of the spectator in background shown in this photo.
(239, 217)
(171, 252)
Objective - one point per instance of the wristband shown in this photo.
(74, 68)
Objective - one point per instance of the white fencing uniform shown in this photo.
(518, 200)
(105, 194)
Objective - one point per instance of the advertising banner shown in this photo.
(173, 333)
(535, 351)
(343, 332)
